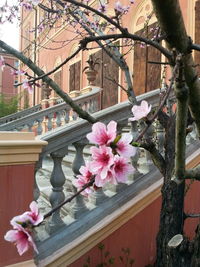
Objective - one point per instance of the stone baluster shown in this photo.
(66, 115)
(148, 136)
(30, 125)
(160, 134)
(57, 195)
(79, 207)
(91, 106)
(135, 158)
(58, 119)
(49, 121)
(36, 190)
(120, 127)
(194, 133)
(74, 116)
(39, 127)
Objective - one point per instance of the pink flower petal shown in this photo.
(140, 111)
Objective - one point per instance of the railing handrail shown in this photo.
(44, 112)
(77, 130)
(20, 114)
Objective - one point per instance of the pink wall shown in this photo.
(8, 79)
(139, 234)
(16, 191)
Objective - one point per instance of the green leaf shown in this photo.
(111, 260)
(101, 246)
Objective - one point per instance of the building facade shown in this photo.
(7, 79)
(49, 47)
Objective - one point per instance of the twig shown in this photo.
(159, 63)
(58, 67)
(121, 86)
(69, 199)
(149, 122)
(193, 173)
(195, 47)
(192, 215)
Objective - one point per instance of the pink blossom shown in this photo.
(103, 159)
(22, 239)
(141, 111)
(101, 135)
(18, 221)
(110, 178)
(142, 45)
(34, 216)
(122, 168)
(29, 218)
(123, 146)
(28, 4)
(17, 72)
(2, 63)
(26, 85)
(102, 8)
(121, 9)
(84, 178)
(35, 2)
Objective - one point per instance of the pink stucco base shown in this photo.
(139, 234)
(16, 191)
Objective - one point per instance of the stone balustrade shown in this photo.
(20, 114)
(41, 121)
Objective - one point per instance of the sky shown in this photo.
(9, 33)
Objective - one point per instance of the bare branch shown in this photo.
(122, 87)
(193, 173)
(59, 66)
(181, 92)
(195, 47)
(134, 37)
(90, 183)
(191, 215)
(157, 158)
(149, 122)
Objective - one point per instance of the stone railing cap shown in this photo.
(18, 148)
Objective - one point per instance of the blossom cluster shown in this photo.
(23, 224)
(111, 156)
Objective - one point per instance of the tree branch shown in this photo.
(157, 158)
(150, 121)
(133, 37)
(181, 92)
(193, 173)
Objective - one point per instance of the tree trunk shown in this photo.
(172, 210)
